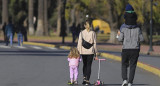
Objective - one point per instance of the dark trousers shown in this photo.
(129, 59)
(87, 63)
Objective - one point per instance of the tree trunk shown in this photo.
(145, 25)
(63, 22)
(4, 11)
(145, 33)
(30, 13)
(113, 21)
(59, 18)
(46, 18)
(77, 15)
(113, 34)
(73, 15)
(40, 24)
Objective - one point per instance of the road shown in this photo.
(43, 66)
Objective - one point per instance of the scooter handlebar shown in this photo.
(102, 59)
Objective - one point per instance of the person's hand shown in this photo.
(118, 33)
(96, 58)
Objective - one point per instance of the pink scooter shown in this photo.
(99, 82)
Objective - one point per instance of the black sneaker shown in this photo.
(88, 83)
(84, 81)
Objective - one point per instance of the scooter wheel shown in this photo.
(102, 83)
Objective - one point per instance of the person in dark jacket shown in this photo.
(73, 31)
(131, 36)
(20, 30)
(9, 33)
(4, 27)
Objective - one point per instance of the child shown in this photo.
(74, 59)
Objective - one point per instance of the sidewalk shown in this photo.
(144, 49)
(107, 46)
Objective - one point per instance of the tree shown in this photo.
(59, 16)
(46, 18)
(63, 21)
(40, 25)
(30, 18)
(76, 11)
(116, 10)
(4, 11)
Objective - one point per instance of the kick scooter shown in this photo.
(99, 82)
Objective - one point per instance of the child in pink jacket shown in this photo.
(74, 59)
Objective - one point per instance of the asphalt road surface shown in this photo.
(43, 66)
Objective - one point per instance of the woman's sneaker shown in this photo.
(88, 83)
(125, 82)
(84, 81)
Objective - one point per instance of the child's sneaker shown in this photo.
(75, 82)
(124, 83)
(70, 83)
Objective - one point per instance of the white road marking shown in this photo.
(35, 47)
(21, 47)
(3, 46)
(53, 48)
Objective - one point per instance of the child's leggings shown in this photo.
(74, 72)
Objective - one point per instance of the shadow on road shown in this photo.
(34, 53)
(112, 85)
(121, 84)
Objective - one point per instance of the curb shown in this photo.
(142, 65)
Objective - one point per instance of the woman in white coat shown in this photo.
(87, 50)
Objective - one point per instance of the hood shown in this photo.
(128, 26)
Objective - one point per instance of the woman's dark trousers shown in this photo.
(87, 63)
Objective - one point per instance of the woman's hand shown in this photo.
(96, 58)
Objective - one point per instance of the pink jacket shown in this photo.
(74, 62)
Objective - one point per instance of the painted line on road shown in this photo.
(3, 46)
(39, 44)
(21, 47)
(65, 47)
(52, 48)
(35, 47)
(144, 66)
